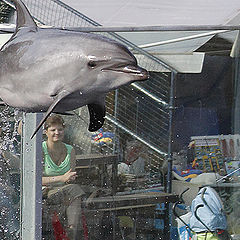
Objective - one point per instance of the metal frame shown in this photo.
(155, 28)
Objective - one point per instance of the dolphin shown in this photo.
(55, 70)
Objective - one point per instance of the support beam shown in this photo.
(182, 39)
(164, 28)
(31, 187)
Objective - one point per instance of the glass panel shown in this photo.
(88, 199)
(10, 154)
(113, 184)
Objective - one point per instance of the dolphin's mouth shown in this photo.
(141, 73)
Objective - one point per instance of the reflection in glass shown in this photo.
(10, 151)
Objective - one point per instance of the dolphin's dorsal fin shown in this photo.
(24, 18)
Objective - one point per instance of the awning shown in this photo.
(159, 12)
(179, 54)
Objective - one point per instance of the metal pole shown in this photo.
(115, 147)
(168, 214)
(175, 40)
(115, 163)
(135, 136)
(171, 109)
(31, 186)
(167, 28)
(152, 96)
(155, 28)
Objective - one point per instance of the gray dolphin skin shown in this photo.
(52, 70)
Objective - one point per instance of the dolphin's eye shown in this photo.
(92, 64)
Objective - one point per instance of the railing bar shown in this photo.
(135, 136)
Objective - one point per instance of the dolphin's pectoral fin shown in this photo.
(59, 97)
(97, 114)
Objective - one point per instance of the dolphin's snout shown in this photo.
(145, 74)
(138, 72)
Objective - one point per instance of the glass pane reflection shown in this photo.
(10, 159)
